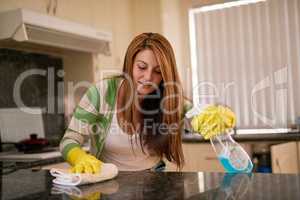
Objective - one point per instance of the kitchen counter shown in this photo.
(28, 184)
(12, 160)
(280, 137)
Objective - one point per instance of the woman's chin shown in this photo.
(143, 92)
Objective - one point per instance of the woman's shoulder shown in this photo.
(104, 91)
(108, 82)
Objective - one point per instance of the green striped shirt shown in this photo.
(93, 116)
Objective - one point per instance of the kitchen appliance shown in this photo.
(23, 25)
(32, 144)
(17, 124)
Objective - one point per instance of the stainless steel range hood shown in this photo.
(27, 26)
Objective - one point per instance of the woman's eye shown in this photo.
(141, 67)
(158, 72)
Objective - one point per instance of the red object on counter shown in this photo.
(33, 144)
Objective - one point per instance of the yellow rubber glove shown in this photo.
(93, 196)
(83, 162)
(213, 120)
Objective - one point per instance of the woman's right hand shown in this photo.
(83, 162)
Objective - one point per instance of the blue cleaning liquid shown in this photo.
(231, 169)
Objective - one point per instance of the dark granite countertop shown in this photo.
(11, 166)
(288, 136)
(28, 184)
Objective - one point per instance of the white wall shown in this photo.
(175, 28)
(124, 19)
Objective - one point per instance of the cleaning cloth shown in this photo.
(64, 177)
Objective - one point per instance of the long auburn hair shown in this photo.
(169, 97)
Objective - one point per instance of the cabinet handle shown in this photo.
(211, 158)
(278, 164)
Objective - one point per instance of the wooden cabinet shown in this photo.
(201, 157)
(80, 12)
(285, 157)
(39, 6)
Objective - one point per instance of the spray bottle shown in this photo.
(217, 126)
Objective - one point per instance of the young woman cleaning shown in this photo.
(133, 120)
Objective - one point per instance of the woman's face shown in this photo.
(146, 72)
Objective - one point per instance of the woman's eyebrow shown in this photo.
(147, 63)
(142, 62)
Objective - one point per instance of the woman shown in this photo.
(133, 120)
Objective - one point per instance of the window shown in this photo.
(247, 56)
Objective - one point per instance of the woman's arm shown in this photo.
(70, 140)
(85, 117)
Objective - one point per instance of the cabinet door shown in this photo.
(201, 157)
(285, 158)
(198, 157)
(75, 11)
(298, 146)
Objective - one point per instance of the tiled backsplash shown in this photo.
(37, 75)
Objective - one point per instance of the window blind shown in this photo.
(248, 57)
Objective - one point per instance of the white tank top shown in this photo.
(126, 156)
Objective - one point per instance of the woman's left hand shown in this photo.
(213, 120)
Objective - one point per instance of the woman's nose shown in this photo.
(148, 75)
